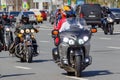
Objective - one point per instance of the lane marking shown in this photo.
(45, 29)
(50, 34)
(99, 31)
(44, 41)
(77, 78)
(112, 47)
(105, 38)
(43, 52)
(20, 67)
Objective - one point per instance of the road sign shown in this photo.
(25, 5)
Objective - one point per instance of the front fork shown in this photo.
(85, 60)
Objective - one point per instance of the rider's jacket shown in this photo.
(59, 24)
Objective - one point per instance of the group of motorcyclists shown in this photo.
(4, 20)
(72, 39)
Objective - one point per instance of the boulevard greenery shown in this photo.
(115, 3)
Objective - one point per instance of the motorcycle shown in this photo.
(72, 47)
(25, 49)
(8, 36)
(108, 23)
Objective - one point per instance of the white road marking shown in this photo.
(45, 29)
(99, 31)
(44, 41)
(105, 38)
(50, 34)
(77, 78)
(20, 67)
(43, 52)
(112, 47)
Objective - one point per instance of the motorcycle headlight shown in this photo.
(21, 31)
(65, 39)
(27, 31)
(71, 42)
(81, 41)
(7, 29)
(32, 30)
(85, 38)
(109, 19)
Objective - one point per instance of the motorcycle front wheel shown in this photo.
(29, 54)
(78, 66)
(111, 29)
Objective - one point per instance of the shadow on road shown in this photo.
(96, 73)
(116, 33)
(39, 61)
(102, 51)
(12, 75)
(5, 57)
(92, 73)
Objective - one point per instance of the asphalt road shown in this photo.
(105, 52)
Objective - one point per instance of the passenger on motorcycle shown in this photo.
(66, 13)
(59, 14)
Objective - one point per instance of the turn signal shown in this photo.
(55, 32)
(93, 30)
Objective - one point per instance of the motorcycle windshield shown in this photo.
(73, 24)
(75, 27)
(28, 26)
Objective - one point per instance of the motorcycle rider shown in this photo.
(3, 20)
(24, 21)
(105, 12)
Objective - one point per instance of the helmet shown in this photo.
(4, 15)
(66, 8)
(25, 18)
(69, 11)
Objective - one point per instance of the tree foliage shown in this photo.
(112, 3)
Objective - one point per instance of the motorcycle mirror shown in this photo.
(93, 30)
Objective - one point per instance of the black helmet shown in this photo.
(4, 15)
(25, 18)
(105, 9)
